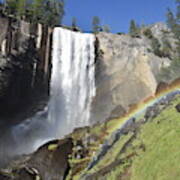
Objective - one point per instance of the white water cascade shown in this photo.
(72, 80)
(72, 89)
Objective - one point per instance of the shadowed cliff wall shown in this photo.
(25, 65)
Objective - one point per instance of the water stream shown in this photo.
(72, 89)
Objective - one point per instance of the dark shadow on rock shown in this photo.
(178, 108)
(49, 162)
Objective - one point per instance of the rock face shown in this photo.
(126, 73)
(47, 163)
(25, 55)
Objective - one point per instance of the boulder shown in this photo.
(49, 162)
(178, 108)
(4, 177)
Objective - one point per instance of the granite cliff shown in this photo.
(127, 71)
(25, 61)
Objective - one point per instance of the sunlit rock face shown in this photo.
(126, 73)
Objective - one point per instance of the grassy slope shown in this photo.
(153, 155)
(161, 137)
(160, 157)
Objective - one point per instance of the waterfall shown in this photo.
(72, 80)
(72, 89)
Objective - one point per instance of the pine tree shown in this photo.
(37, 9)
(59, 11)
(96, 24)
(171, 21)
(54, 9)
(74, 23)
(11, 7)
(133, 29)
(177, 33)
(49, 12)
(21, 7)
(178, 11)
(106, 28)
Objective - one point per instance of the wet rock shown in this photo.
(49, 162)
(52, 163)
(129, 126)
(151, 112)
(178, 108)
(25, 174)
(4, 177)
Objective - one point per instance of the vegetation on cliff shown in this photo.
(46, 12)
(134, 30)
(173, 22)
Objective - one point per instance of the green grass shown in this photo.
(115, 173)
(161, 160)
(112, 154)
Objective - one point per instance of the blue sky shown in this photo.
(116, 13)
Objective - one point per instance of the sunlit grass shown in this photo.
(112, 154)
(161, 160)
(152, 132)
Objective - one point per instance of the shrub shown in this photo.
(166, 49)
(134, 29)
(155, 44)
(172, 72)
(120, 33)
(148, 33)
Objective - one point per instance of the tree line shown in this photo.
(48, 12)
(51, 12)
(173, 22)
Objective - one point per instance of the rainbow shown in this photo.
(140, 108)
(120, 123)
